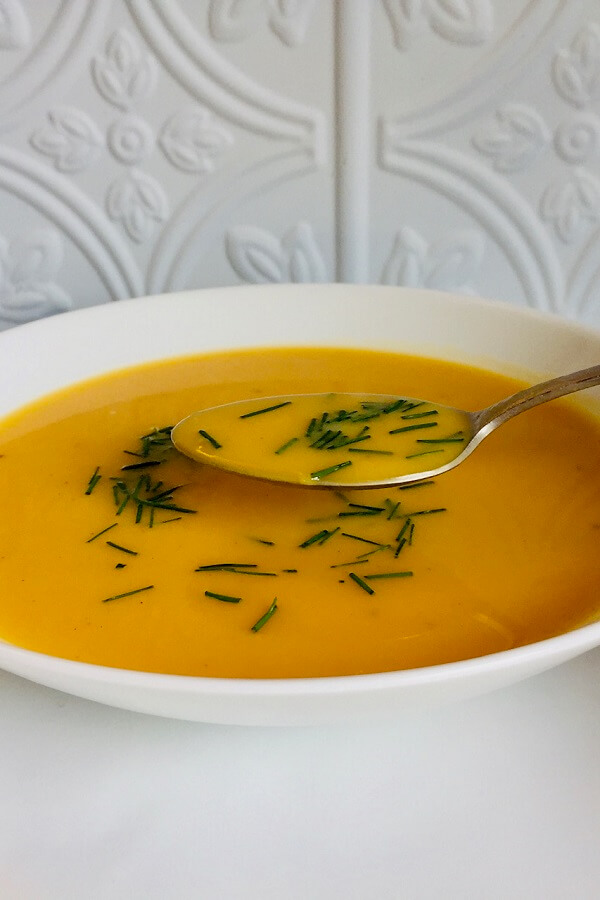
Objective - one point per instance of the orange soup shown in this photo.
(117, 550)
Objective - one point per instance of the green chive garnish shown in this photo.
(423, 453)
(355, 537)
(421, 415)
(93, 480)
(104, 530)
(322, 473)
(363, 584)
(388, 575)
(216, 567)
(287, 444)
(379, 452)
(424, 512)
(128, 593)
(143, 465)
(264, 619)
(319, 538)
(224, 597)
(417, 484)
(122, 549)
(414, 427)
(259, 412)
(211, 440)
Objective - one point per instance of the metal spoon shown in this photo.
(360, 466)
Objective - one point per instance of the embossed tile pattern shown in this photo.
(158, 145)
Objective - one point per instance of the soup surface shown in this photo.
(117, 550)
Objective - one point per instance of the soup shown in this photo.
(117, 550)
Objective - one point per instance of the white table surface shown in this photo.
(497, 797)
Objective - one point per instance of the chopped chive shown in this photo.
(311, 427)
(358, 513)
(322, 473)
(425, 512)
(365, 450)
(258, 412)
(421, 415)
(226, 565)
(416, 484)
(364, 506)
(356, 537)
(393, 508)
(132, 453)
(388, 575)
(401, 544)
(262, 541)
(166, 521)
(393, 407)
(210, 439)
(414, 427)
(319, 538)
(128, 593)
(290, 571)
(423, 453)
(343, 441)
(143, 465)
(412, 531)
(93, 481)
(121, 566)
(325, 438)
(404, 529)
(247, 572)
(352, 562)
(287, 445)
(225, 597)
(104, 530)
(139, 513)
(363, 584)
(264, 619)
(376, 550)
(123, 549)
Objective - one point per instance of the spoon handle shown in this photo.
(488, 419)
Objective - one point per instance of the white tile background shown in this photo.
(155, 145)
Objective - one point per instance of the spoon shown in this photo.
(352, 440)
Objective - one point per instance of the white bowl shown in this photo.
(44, 356)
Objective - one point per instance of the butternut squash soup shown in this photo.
(117, 550)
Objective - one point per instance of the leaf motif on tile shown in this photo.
(234, 20)
(571, 203)
(124, 75)
(130, 140)
(137, 201)
(192, 140)
(514, 139)
(576, 70)
(28, 269)
(15, 30)
(70, 138)
(579, 139)
(290, 20)
(448, 264)
(458, 21)
(258, 257)
(462, 21)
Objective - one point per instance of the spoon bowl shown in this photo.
(352, 440)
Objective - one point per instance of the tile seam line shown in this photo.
(352, 139)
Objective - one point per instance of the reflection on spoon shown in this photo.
(357, 440)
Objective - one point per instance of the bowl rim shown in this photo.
(20, 660)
